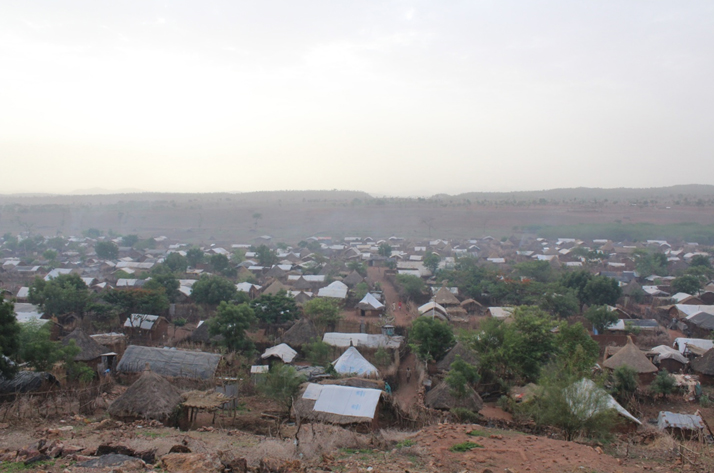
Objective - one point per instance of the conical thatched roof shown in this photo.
(90, 349)
(275, 288)
(150, 397)
(203, 335)
(631, 356)
(301, 333)
(444, 297)
(353, 279)
(458, 350)
(705, 363)
(441, 398)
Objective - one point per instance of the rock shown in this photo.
(270, 465)
(36, 458)
(191, 463)
(71, 450)
(599, 450)
(111, 460)
(180, 449)
(148, 456)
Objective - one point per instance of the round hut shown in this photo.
(466, 354)
(440, 397)
(704, 367)
(301, 333)
(631, 356)
(150, 397)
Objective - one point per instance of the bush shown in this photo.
(180, 322)
(317, 352)
(704, 401)
(465, 416)
(464, 447)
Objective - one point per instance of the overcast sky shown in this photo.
(390, 97)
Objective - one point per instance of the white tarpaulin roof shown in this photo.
(337, 290)
(352, 362)
(679, 421)
(312, 391)
(702, 343)
(142, 321)
(665, 353)
(282, 351)
(348, 401)
(586, 400)
(344, 340)
(371, 301)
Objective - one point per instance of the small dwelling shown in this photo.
(353, 363)
(369, 306)
(682, 425)
(631, 356)
(147, 327)
(150, 397)
(169, 362)
(282, 352)
(339, 405)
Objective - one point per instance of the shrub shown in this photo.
(464, 447)
(465, 416)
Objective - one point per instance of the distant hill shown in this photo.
(590, 193)
(101, 196)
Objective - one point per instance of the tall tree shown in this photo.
(9, 343)
(385, 249)
(431, 338)
(601, 317)
(232, 321)
(63, 295)
(106, 250)
(431, 261)
(275, 308)
(194, 256)
(176, 262)
(213, 290)
(266, 256)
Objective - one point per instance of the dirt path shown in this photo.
(406, 393)
(403, 316)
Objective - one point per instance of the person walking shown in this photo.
(409, 374)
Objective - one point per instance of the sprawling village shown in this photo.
(131, 352)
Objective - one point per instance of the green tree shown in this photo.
(571, 403)
(540, 271)
(166, 282)
(431, 338)
(411, 287)
(701, 261)
(576, 348)
(218, 262)
(317, 352)
(213, 290)
(361, 290)
(49, 255)
(431, 261)
(176, 262)
(601, 290)
(664, 383)
(194, 257)
(322, 312)
(9, 341)
(577, 281)
(385, 249)
(357, 266)
(648, 263)
(601, 317)
(232, 321)
(129, 240)
(516, 351)
(266, 256)
(106, 250)
(687, 283)
(238, 256)
(36, 347)
(563, 303)
(56, 243)
(624, 383)
(275, 308)
(461, 378)
(139, 301)
(63, 295)
(282, 384)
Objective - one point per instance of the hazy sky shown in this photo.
(390, 97)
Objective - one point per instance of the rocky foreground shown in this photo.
(78, 445)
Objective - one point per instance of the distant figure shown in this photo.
(409, 374)
(387, 388)
(400, 305)
(394, 306)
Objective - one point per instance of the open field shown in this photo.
(291, 216)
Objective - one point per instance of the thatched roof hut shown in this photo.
(704, 364)
(150, 397)
(90, 349)
(301, 333)
(440, 397)
(466, 354)
(631, 356)
(202, 334)
(445, 297)
(275, 288)
(353, 279)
